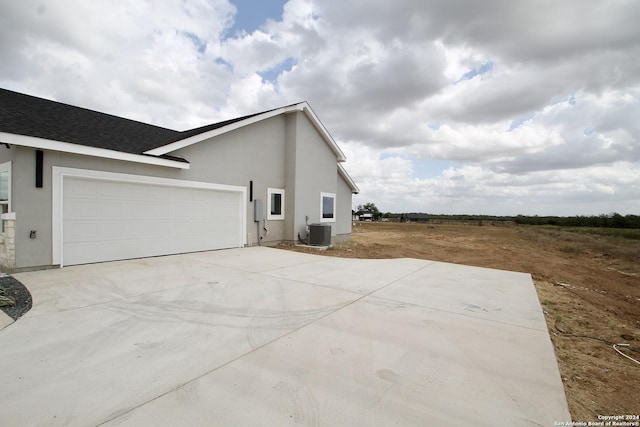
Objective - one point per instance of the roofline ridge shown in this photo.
(232, 124)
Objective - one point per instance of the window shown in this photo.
(5, 190)
(327, 207)
(5, 187)
(275, 203)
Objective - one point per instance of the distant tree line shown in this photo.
(612, 220)
(369, 208)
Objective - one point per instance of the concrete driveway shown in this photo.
(262, 336)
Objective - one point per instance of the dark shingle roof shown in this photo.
(203, 129)
(31, 116)
(28, 115)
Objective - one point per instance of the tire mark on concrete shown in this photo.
(303, 409)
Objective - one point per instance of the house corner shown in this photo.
(7, 244)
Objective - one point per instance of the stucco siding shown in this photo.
(252, 153)
(343, 225)
(315, 165)
(33, 210)
(6, 154)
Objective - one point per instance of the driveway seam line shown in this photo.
(456, 313)
(361, 296)
(113, 300)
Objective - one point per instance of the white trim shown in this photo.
(67, 147)
(8, 215)
(6, 167)
(343, 173)
(59, 173)
(335, 210)
(303, 106)
(221, 130)
(270, 216)
(324, 132)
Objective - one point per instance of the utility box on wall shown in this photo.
(257, 210)
(319, 234)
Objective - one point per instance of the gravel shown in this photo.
(10, 287)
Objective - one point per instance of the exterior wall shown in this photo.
(290, 150)
(33, 205)
(283, 152)
(315, 172)
(33, 210)
(343, 225)
(252, 153)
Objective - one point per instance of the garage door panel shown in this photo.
(81, 188)
(148, 192)
(111, 209)
(82, 253)
(82, 208)
(147, 210)
(111, 190)
(80, 231)
(110, 220)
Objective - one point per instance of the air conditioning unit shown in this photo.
(320, 234)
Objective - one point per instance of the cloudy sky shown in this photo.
(477, 107)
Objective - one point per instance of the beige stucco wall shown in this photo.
(343, 227)
(252, 153)
(315, 173)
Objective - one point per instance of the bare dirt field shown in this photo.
(588, 285)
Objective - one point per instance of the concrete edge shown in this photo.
(5, 320)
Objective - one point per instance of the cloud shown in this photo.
(475, 189)
(149, 55)
(529, 105)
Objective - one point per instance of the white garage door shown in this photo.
(106, 220)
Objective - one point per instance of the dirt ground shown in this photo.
(588, 285)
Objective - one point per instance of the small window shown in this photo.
(5, 190)
(5, 185)
(327, 207)
(275, 203)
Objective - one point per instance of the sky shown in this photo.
(444, 107)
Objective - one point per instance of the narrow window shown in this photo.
(5, 186)
(5, 190)
(327, 207)
(275, 203)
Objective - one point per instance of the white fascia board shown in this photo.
(303, 106)
(324, 132)
(222, 130)
(67, 147)
(350, 181)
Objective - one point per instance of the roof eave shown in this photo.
(67, 147)
(300, 107)
(177, 145)
(324, 132)
(348, 179)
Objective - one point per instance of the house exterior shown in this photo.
(365, 217)
(79, 186)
